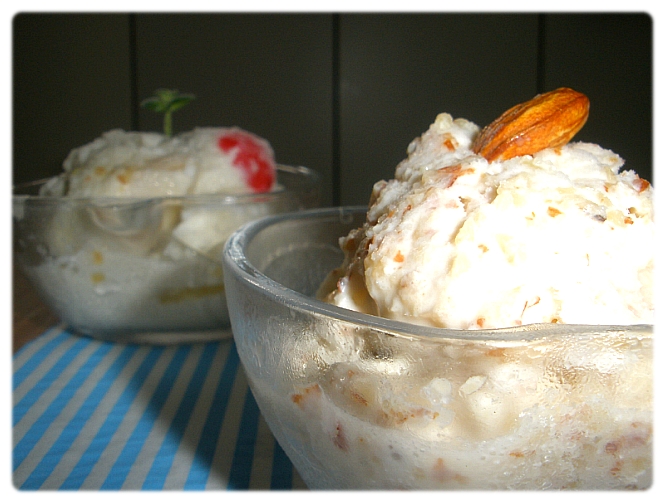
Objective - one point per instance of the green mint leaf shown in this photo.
(167, 101)
(180, 102)
(152, 104)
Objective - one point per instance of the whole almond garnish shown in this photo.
(548, 120)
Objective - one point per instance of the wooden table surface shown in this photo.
(31, 317)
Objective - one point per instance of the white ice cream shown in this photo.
(137, 248)
(455, 241)
(201, 161)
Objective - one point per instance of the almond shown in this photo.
(548, 120)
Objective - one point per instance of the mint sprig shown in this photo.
(167, 101)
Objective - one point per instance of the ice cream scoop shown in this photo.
(506, 226)
(137, 164)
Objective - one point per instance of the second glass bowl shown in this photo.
(143, 270)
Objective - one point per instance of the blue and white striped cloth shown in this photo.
(89, 414)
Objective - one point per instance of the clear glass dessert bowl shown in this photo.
(141, 270)
(358, 401)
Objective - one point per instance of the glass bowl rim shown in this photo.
(311, 177)
(239, 265)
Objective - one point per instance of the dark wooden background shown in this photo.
(343, 94)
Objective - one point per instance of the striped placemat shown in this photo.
(95, 415)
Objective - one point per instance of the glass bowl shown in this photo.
(361, 402)
(141, 270)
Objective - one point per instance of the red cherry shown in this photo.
(252, 158)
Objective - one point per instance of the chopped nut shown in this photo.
(455, 172)
(472, 385)
(123, 178)
(340, 440)
(358, 398)
(449, 142)
(97, 257)
(313, 390)
(97, 277)
(640, 185)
